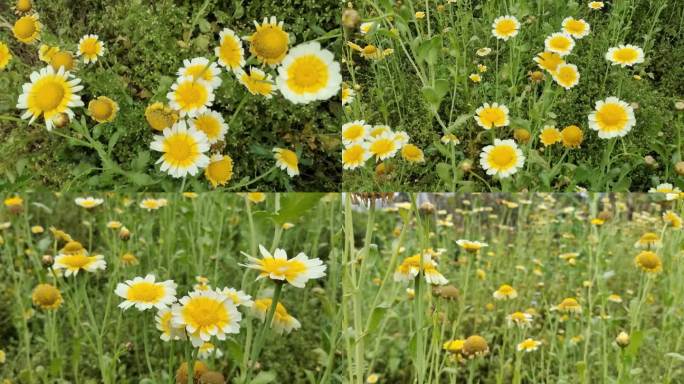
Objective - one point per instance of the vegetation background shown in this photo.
(391, 92)
(146, 43)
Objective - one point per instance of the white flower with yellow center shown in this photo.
(410, 268)
(238, 297)
(505, 292)
(5, 55)
(494, 115)
(257, 82)
(625, 55)
(402, 138)
(90, 47)
(596, 5)
(383, 146)
(183, 150)
(548, 61)
(577, 28)
(528, 345)
(347, 94)
(355, 132)
(27, 29)
(560, 43)
(88, 202)
(72, 263)
(282, 320)
(204, 314)
(200, 68)
(670, 191)
(220, 169)
(287, 160)
(145, 293)
(470, 245)
(212, 124)
(190, 97)
(309, 73)
(612, 117)
(566, 75)
(169, 332)
(207, 350)
(355, 155)
(269, 43)
(50, 94)
(230, 53)
(150, 204)
(502, 159)
(296, 271)
(505, 27)
(379, 130)
(366, 27)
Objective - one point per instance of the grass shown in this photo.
(547, 249)
(423, 88)
(88, 339)
(146, 43)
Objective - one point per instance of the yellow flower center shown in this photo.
(575, 26)
(566, 75)
(506, 27)
(307, 74)
(502, 157)
(219, 172)
(493, 116)
(25, 27)
(506, 290)
(625, 55)
(199, 71)
(190, 95)
(62, 59)
(288, 268)
(76, 261)
(612, 117)
(648, 260)
(90, 46)
(180, 149)
(48, 93)
(46, 295)
(204, 312)
(270, 42)
(209, 125)
(519, 317)
(289, 157)
(353, 132)
(411, 152)
(353, 154)
(256, 83)
(101, 109)
(159, 117)
(382, 147)
(560, 43)
(229, 52)
(24, 5)
(145, 292)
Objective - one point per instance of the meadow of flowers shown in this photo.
(510, 95)
(513, 288)
(111, 289)
(170, 95)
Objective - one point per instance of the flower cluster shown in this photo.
(363, 141)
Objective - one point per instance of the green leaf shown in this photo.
(636, 339)
(292, 207)
(444, 172)
(264, 377)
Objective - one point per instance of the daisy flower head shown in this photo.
(220, 170)
(566, 75)
(548, 61)
(287, 160)
(402, 138)
(212, 124)
(5, 55)
(45, 52)
(27, 29)
(471, 246)
(528, 345)
(309, 73)
(103, 109)
(190, 97)
(411, 266)
(383, 146)
(46, 296)
(72, 263)
(207, 350)
(163, 322)
(572, 136)
(505, 27)
(257, 82)
(230, 53)
(612, 117)
(256, 197)
(160, 116)
(648, 262)
(596, 5)
(648, 240)
(569, 305)
(145, 293)
(505, 292)
(183, 150)
(519, 319)
(239, 298)
(494, 115)
(355, 155)
(50, 94)
(200, 68)
(625, 55)
(296, 271)
(355, 132)
(378, 130)
(475, 346)
(347, 94)
(204, 314)
(670, 191)
(63, 59)
(88, 202)
(560, 43)
(577, 28)
(269, 43)
(412, 154)
(23, 6)
(549, 136)
(450, 138)
(90, 47)
(502, 159)
(366, 27)
(672, 219)
(282, 322)
(151, 204)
